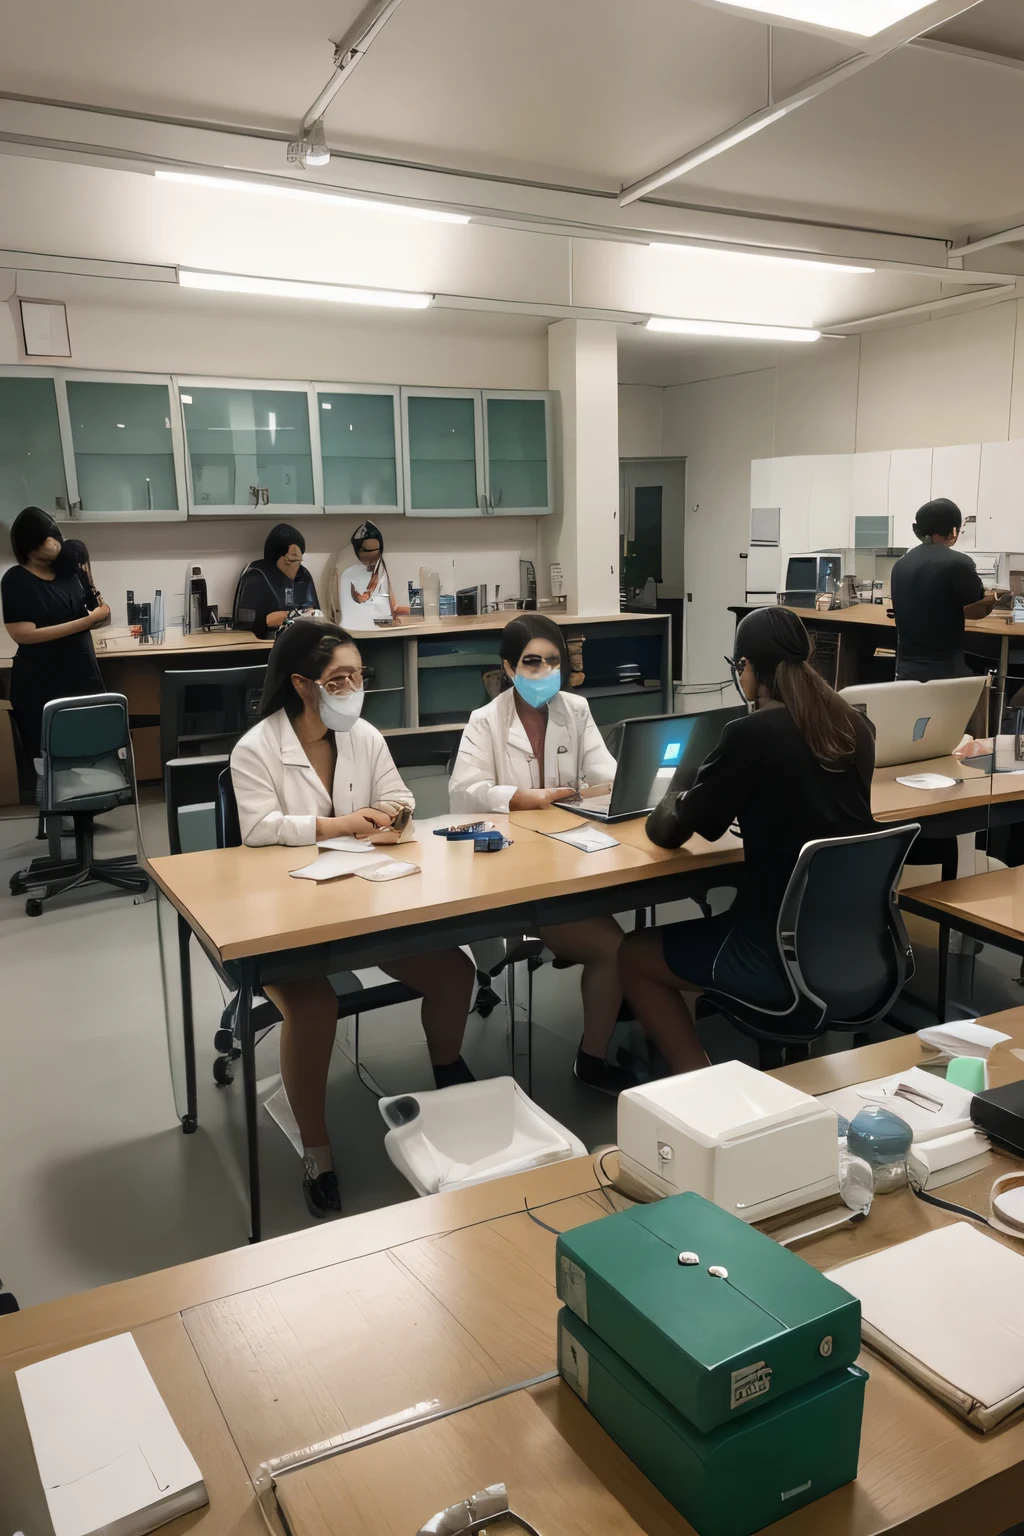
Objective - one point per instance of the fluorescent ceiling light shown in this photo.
(193, 179)
(778, 261)
(282, 288)
(733, 329)
(864, 17)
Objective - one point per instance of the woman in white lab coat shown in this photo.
(311, 769)
(527, 749)
(365, 597)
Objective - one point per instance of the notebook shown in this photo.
(945, 1308)
(110, 1459)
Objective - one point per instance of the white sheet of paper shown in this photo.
(586, 839)
(344, 844)
(332, 866)
(927, 781)
(955, 1114)
(952, 1299)
(105, 1444)
(962, 1037)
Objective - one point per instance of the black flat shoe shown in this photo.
(595, 1072)
(323, 1197)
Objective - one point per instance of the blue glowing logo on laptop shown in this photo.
(673, 752)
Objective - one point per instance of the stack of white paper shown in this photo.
(110, 1459)
(962, 1037)
(334, 865)
(946, 1309)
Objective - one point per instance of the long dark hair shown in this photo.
(304, 646)
(518, 633)
(779, 649)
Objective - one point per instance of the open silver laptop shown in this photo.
(915, 721)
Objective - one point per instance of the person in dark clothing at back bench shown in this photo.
(934, 589)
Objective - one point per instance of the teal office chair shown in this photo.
(88, 768)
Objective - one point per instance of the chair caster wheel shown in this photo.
(223, 1040)
(222, 1073)
(33, 907)
(188, 1125)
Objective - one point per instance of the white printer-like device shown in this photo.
(750, 1143)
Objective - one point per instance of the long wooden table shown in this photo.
(265, 1353)
(988, 907)
(243, 907)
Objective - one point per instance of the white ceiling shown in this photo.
(583, 94)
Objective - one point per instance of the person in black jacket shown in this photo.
(272, 588)
(797, 768)
(934, 589)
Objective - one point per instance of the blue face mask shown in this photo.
(536, 691)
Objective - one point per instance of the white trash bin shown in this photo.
(451, 1138)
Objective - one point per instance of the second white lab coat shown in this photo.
(363, 615)
(495, 757)
(279, 793)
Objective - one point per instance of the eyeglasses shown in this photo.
(530, 661)
(346, 682)
(736, 665)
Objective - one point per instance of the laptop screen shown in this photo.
(654, 751)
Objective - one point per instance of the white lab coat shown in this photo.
(495, 757)
(362, 615)
(280, 796)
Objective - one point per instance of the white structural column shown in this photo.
(583, 532)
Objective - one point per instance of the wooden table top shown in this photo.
(314, 1337)
(994, 900)
(243, 901)
(876, 614)
(409, 629)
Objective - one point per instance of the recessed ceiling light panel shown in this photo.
(285, 288)
(864, 18)
(733, 330)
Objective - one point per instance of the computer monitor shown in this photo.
(807, 575)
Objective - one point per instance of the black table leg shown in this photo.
(247, 1042)
(190, 1119)
(943, 971)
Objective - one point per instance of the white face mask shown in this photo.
(340, 711)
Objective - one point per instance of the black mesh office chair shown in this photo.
(842, 942)
(88, 769)
(353, 997)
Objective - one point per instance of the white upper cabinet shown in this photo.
(910, 486)
(1001, 497)
(252, 447)
(956, 474)
(792, 484)
(471, 452)
(830, 512)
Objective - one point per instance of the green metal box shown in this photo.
(740, 1477)
(715, 1346)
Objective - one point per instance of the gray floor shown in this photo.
(98, 1181)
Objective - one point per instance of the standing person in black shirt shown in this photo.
(45, 614)
(797, 768)
(934, 589)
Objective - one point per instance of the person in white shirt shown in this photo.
(310, 769)
(365, 597)
(529, 748)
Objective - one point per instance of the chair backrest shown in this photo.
(840, 931)
(208, 708)
(190, 782)
(82, 744)
(229, 832)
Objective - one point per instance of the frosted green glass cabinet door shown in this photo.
(359, 433)
(443, 450)
(31, 460)
(517, 435)
(124, 448)
(249, 448)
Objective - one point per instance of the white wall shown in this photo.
(719, 425)
(942, 381)
(142, 328)
(640, 421)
